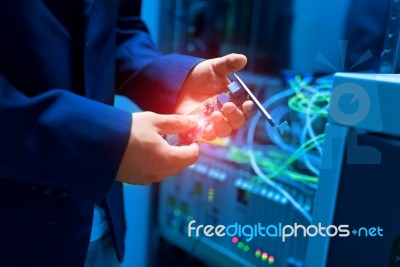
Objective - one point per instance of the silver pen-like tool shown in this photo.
(281, 127)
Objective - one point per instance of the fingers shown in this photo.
(176, 158)
(231, 118)
(209, 133)
(228, 64)
(248, 109)
(146, 147)
(171, 124)
(235, 117)
(221, 125)
(183, 156)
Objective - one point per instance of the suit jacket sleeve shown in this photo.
(88, 141)
(148, 78)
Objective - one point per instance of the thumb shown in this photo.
(171, 124)
(228, 64)
(184, 155)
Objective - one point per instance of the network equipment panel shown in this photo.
(258, 178)
(214, 192)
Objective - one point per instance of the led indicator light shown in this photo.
(271, 259)
(177, 212)
(210, 197)
(171, 201)
(264, 256)
(185, 207)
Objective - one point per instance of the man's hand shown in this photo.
(208, 79)
(148, 157)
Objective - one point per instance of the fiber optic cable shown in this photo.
(267, 180)
(304, 148)
(309, 130)
(282, 127)
(272, 162)
(274, 99)
(305, 157)
(304, 90)
(310, 101)
(277, 139)
(317, 96)
(279, 112)
(303, 104)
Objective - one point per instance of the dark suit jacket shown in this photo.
(61, 141)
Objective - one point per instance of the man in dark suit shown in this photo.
(64, 149)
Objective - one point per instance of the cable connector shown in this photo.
(282, 128)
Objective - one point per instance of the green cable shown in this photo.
(308, 103)
(303, 103)
(238, 156)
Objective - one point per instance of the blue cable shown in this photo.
(253, 162)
